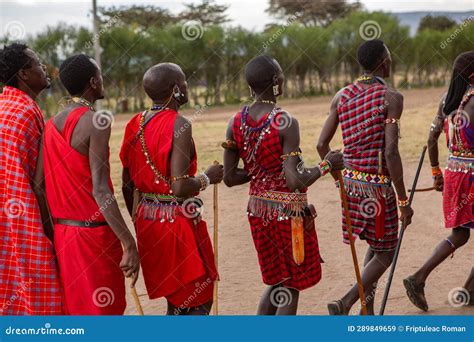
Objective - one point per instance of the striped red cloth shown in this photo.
(458, 191)
(372, 204)
(272, 238)
(29, 282)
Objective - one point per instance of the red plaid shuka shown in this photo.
(28, 273)
(272, 237)
(372, 203)
(458, 191)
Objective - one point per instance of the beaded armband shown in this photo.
(403, 203)
(436, 171)
(324, 167)
(394, 121)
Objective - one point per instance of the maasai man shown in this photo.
(160, 186)
(456, 116)
(369, 114)
(89, 230)
(267, 139)
(28, 272)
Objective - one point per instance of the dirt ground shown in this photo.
(241, 285)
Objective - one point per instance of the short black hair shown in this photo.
(13, 58)
(370, 54)
(463, 68)
(75, 73)
(259, 72)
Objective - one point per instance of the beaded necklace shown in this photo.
(458, 120)
(158, 175)
(250, 132)
(84, 102)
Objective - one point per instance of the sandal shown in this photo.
(336, 308)
(416, 293)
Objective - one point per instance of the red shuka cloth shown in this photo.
(273, 239)
(176, 257)
(29, 281)
(88, 258)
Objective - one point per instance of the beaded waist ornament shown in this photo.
(164, 207)
(274, 204)
(458, 163)
(364, 184)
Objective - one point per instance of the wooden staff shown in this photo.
(342, 191)
(133, 290)
(400, 238)
(431, 188)
(216, 245)
(136, 299)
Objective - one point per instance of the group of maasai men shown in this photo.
(65, 247)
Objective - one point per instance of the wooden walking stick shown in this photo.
(216, 245)
(133, 290)
(400, 238)
(342, 191)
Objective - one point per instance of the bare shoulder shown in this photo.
(394, 96)
(182, 127)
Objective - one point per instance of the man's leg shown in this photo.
(470, 282)
(458, 238)
(415, 283)
(372, 272)
(287, 301)
(265, 307)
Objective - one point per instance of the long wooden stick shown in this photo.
(431, 188)
(400, 238)
(342, 191)
(136, 299)
(216, 245)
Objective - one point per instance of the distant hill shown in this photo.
(412, 19)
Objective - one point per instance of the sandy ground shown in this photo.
(241, 286)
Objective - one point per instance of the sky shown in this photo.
(34, 16)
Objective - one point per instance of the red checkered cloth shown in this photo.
(458, 191)
(372, 207)
(272, 238)
(28, 273)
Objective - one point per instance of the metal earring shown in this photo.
(276, 90)
(252, 93)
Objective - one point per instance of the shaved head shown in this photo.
(161, 79)
(261, 73)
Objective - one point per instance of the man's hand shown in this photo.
(406, 213)
(130, 263)
(336, 159)
(438, 182)
(215, 173)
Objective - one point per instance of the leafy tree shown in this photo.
(207, 12)
(437, 23)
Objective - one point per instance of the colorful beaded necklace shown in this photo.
(84, 102)
(158, 175)
(250, 132)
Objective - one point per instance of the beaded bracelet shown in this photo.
(403, 203)
(205, 181)
(436, 171)
(324, 167)
(291, 154)
(177, 178)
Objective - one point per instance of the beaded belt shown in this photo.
(275, 204)
(366, 184)
(460, 164)
(165, 207)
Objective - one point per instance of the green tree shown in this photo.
(436, 22)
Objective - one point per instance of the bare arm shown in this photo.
(104, 196)
(181, 161)
(329, 129)
(39, 188)
(233, 175)
(435, 132)
(127, 190)
(291, 143)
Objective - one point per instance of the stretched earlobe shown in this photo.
(276, 90)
